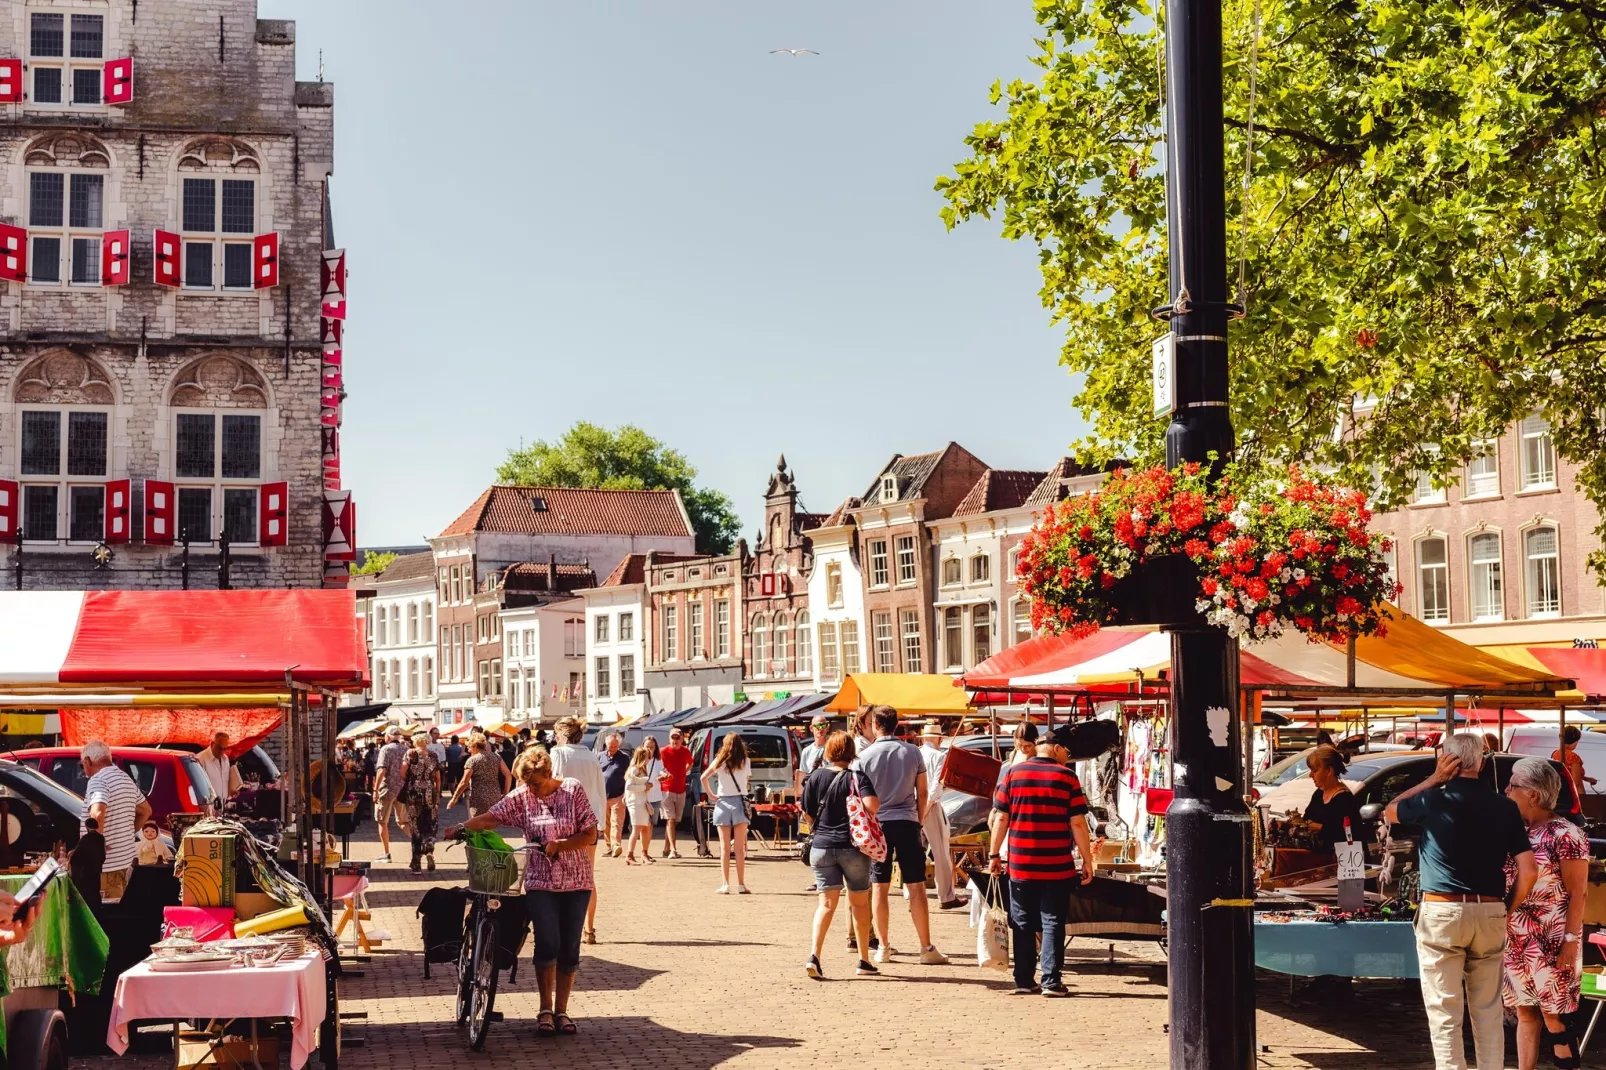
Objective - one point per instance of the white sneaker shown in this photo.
(741, 889)
(932, 957)
(723, 889)
(883, 954)
(382, 858)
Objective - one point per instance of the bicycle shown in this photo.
(492, 874)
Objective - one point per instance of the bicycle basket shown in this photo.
(495, 872)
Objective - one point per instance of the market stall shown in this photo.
(65, 950)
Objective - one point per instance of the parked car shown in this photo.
(772, 752)
(51, 811)
(632, 738)
(1281, 772)
(255, 763)
(1542, 740)
(171, 780)
(968, 813)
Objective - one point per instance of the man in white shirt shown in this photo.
(571, 760)
(220, 772)
(118, 809)
(814, 753)
(935, 821)
(436, 747)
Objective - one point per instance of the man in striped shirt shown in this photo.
(1040, 808)
(118, 808)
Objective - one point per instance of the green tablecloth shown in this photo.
(65, 949)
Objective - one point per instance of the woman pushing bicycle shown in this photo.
(558, 882)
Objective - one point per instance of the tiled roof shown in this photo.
(912, 473)
(1053, 485)
(408, 567)
(633, 569)
(839, 515)
(573, 511)
(805, 521)
(999, 488)
(534, 576)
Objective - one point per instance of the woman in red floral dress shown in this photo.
(1544, 932)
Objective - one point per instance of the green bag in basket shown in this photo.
(492, 865)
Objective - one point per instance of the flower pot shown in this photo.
(1162, 591)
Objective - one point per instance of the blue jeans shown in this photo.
(557, 918)
(1039, 907)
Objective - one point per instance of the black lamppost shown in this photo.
(1210, 929)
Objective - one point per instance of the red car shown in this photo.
(172, 780)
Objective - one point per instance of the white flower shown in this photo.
(1201, 605)
(1299, 573)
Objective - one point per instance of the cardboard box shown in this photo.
(248, 905)
(208, 879)
(204, 1051)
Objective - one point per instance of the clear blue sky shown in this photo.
(630, 212)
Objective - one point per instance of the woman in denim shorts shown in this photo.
(832, 855)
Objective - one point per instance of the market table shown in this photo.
(1341, 949)
(293, 990)
(66, 948)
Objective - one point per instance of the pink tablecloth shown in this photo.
(294, 991)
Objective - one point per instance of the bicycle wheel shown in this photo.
(485, 972)
(465, 974)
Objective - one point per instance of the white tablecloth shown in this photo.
(293, 990)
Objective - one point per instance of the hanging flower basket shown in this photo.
(1258, 557)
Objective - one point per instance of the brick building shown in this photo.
(1498, 556)
(775, 593)
(908, 495)
(148, 394)
(694, 634)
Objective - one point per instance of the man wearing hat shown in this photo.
(1040, 807)
(934, 822)
(387, 789)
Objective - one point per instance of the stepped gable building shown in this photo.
(164, 219)
(775, 595)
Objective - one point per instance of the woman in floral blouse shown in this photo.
(1544, 932)
(558, 879)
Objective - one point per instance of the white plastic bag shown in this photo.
(992, 935)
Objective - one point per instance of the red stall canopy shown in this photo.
(146, 727)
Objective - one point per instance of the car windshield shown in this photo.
(199, 784)
(29, 781)
(1285, 770)
(763, 751)
(1367, 770)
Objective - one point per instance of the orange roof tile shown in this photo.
(573, 511)
(999, 488)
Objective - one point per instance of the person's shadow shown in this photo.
(630, 1040)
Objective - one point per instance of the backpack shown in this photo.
(863, 827)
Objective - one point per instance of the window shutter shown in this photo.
(265, 261)
(9, 492)
(272, 513)
(13, 253)
(118, 492)
(117, 82)
(329, 332)
(332, 378)
(334, 284)
(159, 513)
(339, 526)
(166, 247)
(114, 258)
(333, 356)
(766, 585)
(10, 81)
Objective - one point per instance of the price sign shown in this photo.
(1351, 861)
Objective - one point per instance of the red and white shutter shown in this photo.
(272, 514)
(165, 244)
(159, 513)
(766, 585)
(13, 253)
(334, 284)
(332, 379)
(9, 492)
(114, 258)
(329, 332)
(118, 510)
(117, 82)
(10, 81)
(339, 526)
(265, 261)
(331, 441)
(332, 356)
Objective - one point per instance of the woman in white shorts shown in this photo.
(725, 781)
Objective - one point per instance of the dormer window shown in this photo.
(538, 503)
(889, 488)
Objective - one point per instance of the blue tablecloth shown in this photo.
(1342, 949)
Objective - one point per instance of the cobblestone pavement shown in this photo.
(683, 979)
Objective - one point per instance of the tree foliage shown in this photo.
(1425, 249)
(373, 564)
(624, 459)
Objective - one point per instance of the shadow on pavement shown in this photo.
(627, 1040)
(1384, 1019)
(600, 975)
(692, 943)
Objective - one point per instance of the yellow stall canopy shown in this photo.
(909, 692)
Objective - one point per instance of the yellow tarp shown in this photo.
(1412, 648)
(905, 692)
(1517, 655)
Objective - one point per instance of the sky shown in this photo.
(631, 212)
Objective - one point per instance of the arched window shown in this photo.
(428, 629)
(412, 677)
(219, 213)
(395, 678)
(1487, 582)
(981, 633)
(67, 194)
(782, 638)
(1020, 612)
(412, 623)
(217, 449)
(381, 622)
(761, 645)
(1432, 579)
(804, 644)
(1542, 571)
(981, 568)
(65, 446)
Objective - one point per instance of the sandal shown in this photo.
(566, 1025)
(544, 1024)
(630, 860)
(1564, 1039)
(591, 936)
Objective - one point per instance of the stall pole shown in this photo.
(1050, 714)
(1208, 866)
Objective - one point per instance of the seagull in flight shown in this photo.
(794, 51)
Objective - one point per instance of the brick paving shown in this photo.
(683, 979)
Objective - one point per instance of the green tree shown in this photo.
(373, 564)
(624, 459)
(1423, 228)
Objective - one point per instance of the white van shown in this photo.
(1543, 740)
